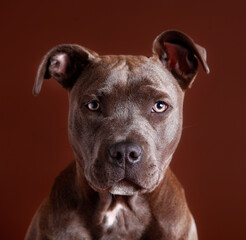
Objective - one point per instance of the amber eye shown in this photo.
(159, 107)
(93, 106)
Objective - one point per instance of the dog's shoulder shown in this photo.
(64, 194)
(173, 216)
(58, 214)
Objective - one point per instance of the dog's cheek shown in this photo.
(166, 139)
(79, 136)
(171, 133)
(85, 133)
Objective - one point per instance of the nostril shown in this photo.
(134, 155)
(117, 155)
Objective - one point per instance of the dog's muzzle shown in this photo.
(125, 155)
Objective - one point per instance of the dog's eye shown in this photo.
(93, 106)
(159, 107)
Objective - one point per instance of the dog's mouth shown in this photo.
(124, 187)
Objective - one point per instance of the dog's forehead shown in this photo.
(124, 71)
(117, 74)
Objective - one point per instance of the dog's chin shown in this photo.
(124, 187)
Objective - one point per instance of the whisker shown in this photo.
(189, 126)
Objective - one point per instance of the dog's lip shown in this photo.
(124, 183)
(96, 188)
(128, 183)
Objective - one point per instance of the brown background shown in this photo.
(210, 161)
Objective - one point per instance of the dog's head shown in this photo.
(125, 116)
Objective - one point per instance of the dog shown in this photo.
(125, 122)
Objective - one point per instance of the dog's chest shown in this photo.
(116, 216)
(122, 223)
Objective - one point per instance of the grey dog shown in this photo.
(125, 122)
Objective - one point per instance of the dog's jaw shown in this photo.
(125, 188)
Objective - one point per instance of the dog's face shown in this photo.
(125, 116)
(125, 100)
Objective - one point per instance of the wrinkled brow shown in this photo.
(154, 91)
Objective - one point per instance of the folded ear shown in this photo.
(64, 63)
(180, 55)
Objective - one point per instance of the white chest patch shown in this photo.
(112, 214)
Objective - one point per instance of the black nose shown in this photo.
(125, 152)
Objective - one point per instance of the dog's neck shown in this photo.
(105, 210)
(123, 214)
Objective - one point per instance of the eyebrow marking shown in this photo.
(156, 91)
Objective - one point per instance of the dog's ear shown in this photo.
(64, 63)
(180, 55)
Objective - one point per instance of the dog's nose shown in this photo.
(125, 152)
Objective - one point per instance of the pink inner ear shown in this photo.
(177, 58)
(60, 63)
